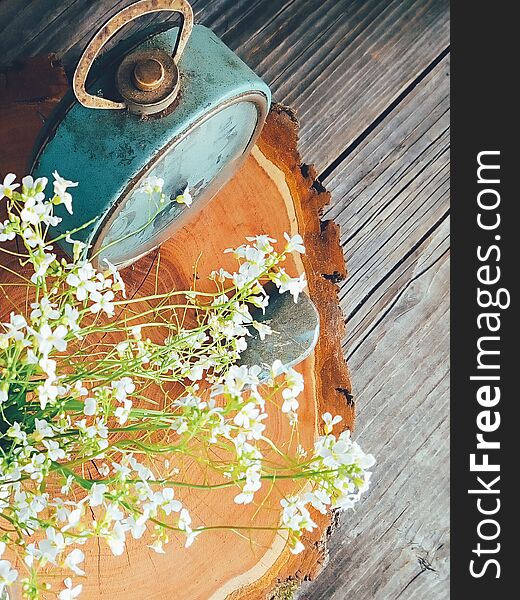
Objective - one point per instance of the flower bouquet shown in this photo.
(106, 399)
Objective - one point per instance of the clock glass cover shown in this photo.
(202, 160)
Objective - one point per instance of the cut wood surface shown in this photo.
(271, 194)
(364, 76)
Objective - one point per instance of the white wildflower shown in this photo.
(70, 593)
(319, 499)
(167, 501)
(41, 263)
(78, 247)
(119, 284)
(8, 186)
(34, 187)
(65, 489)
(90, 407)
(122, 388)
(42, 429)
(136, 527)
(261, 301)
(7, 230)
(14, 329)
(75, 558)
(47, 393)
(285, 283)
(48, 366)
(330, 421)
(152, 184)
(15, 431)
(54, 451)
(294, 243)
(123, 412)
(290, 405)
(296, 546)
(157, 546)
(83, 281)
(102, 302)
(116, 538)
(33, 212)
(263, 329)
(185, 197)
(184, 524)
(32, 238)
(263, 243)
(71, 317)
(8, 575)
(47, 339)
(97, 493)
(60, 190)
(52, 546)
(221, 275)
(44, 310)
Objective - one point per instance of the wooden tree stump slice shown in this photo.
(273, 193)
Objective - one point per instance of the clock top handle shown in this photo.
(110, 28)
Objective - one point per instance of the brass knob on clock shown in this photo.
(147, 77)
(148, 74)
(148, 81)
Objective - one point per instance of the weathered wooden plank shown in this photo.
(391, 197)
(42, 26)
(339, 63)
(396, 544)
(347, 76)
(389, 193)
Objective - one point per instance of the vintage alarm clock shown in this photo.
(184, 108)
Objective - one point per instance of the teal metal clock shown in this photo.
(184, 108)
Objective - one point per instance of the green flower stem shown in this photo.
(220, 527)
(73, 231)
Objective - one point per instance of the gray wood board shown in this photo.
(390, 192)
(391, 198)
(340, 63)
(396, 544)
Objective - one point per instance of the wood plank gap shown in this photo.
(434, 143)
(329, 30)
(263, 27)
(389, 274)
(376, 122)
(51, 22)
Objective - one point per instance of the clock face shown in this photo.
(203, 160)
